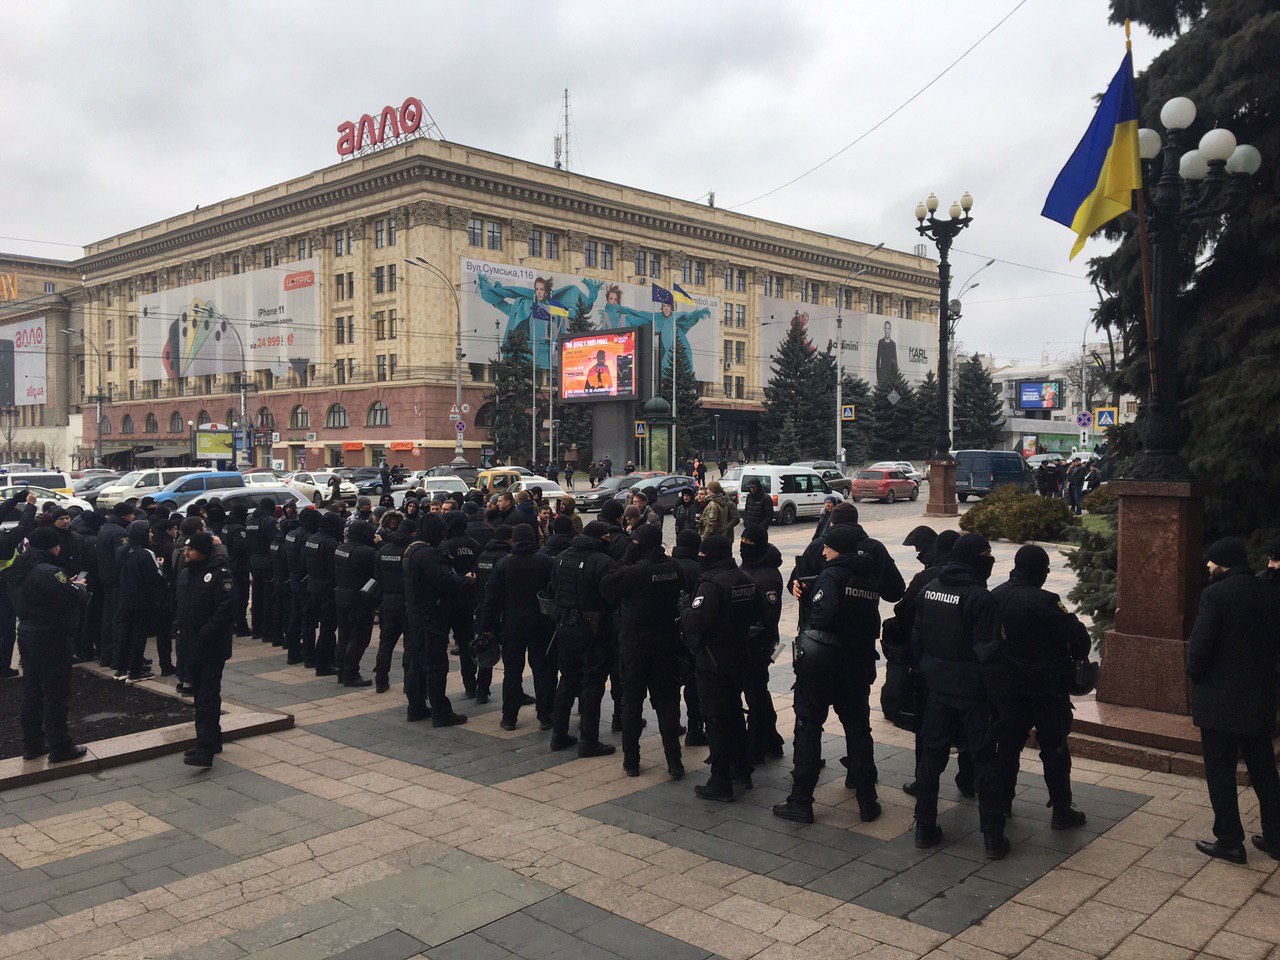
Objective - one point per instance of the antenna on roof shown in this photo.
(566, 128)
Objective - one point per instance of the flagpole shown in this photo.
(675, 342)
(1145, 256)
(533, 416)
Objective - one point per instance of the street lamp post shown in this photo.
(423, 264)
(8, 429)
(1197, 185)
(942, 466)
(98, 398)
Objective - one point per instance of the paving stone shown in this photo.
(726, 851)
(290, 926)
(526, 936)
(396, 945)
(850, 881)
(567, 913)
(472, 946)
(90, 897)
(963, 904)
(634, 942)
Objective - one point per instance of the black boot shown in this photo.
(355, 680)
(562, 741)
(797, 811)
(595, 749)
(868, 807)
(381, 683)
(927, 835)
(1231, 852)
(1067, 817)
(713, 789)
(996, 845)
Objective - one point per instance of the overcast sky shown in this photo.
(119, 114)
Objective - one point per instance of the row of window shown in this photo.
(735, 315)
(378, 415)
(735, 388)
(385, 234)
(384, 327)
(540, 241)
(344, 369)
(735, 351)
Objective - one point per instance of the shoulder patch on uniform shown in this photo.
(697, 602)
(771, 596)
(208, 578)
(226, 585)
(60, 576)
(817, 596)
(124, 540)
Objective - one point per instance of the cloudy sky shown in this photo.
(119, 114)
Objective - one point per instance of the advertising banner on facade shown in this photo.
(875, 346)
(215, 444)
(599, 366)
(1040, 395)
(499, 299)
(261, 320)
(22, 362)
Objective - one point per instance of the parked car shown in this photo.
(262, 478)
(550, 489)
(196, 485)
(884, 483)
(497, 479)
(315, 485)
(431, 486)
(594, 498)
(978, 472)
(58, 481)
(731, 480)
(668, 490)
(830, 471)
(44, 495)
(466, 471)
(903, 465)
(796, 491)
(140, 483)
(88, 488)
(253, 495)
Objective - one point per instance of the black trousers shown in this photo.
(541, 651)
(90, 624)
(242, 581)
(107, 634)
(281, 611)
(262, 600)
(721, 677)
(205, 678)
(945, 719)
(163, 627)
(1221, 752)
(427, 670)
(46, 691)
(391, 626)
(461, 622)
(355, 629)
(847, 690)
(134, 627)
(762, 717)
(584, 661)
(300, 643)
(653, 669)
(323, 613)
(1051, 717)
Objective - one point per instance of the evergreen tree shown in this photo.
(978, 420)
(1229, 312)
(857, 434)
(893, 406)
(691, 421)
(787, 448)
(512, 390)
(926, 417)
(802, 388)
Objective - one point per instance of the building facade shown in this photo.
(377, 232)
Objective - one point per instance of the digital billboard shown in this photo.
(1040, 395)
(260, 320)
(600, 366)
(22, 362)
(499, 300)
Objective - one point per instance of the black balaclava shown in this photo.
(714, 550)
(754, 543)
(1032, 564)
(969, 551)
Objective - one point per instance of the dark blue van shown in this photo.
(978, 472)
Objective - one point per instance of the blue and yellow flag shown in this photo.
(1097, 183)
(680, 296)
(546, 309)
(660, 294)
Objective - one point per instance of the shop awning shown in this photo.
(164, 453)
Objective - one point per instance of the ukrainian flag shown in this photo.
(1097, 183)
(681, 297)
(556, 310)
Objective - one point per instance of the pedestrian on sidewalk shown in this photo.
(207, 608)
(1231, 660)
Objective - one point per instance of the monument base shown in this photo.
(942, 489)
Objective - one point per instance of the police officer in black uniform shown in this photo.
(428, 581)
(511, 610)
(957, 627)
(235, 537)
(584, 637)
(322, 613)
(260, 531)
(761, 562)
(835, 667)
(483, 564)
(390, 567)
(301, 640)
(107, 542)
(646, 587)
(207, 607)
(685, 554)
(47, 603)
(354, 566)
(1030, 678)
(459, 608)
(717, 623)
(281, 598)
(809, 564)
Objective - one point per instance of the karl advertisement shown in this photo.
(500, 300)
(260, 320)
(22, 363)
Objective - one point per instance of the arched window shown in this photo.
(337, 416)
(126, 425)
(175, 422)
(232, 417)
(203, 419)
(378, 415)
(484, 416)
(266, 420)
(299, 419)
(153, 425)
(104, 427)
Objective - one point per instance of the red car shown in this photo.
(886, 485)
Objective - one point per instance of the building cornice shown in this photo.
(415, 169)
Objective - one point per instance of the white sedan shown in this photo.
(550, 489)
(315, 485)
(431, 486)
(911, 472)
(44, 496)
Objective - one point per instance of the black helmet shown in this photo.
(816, 654)
(487, 650)
(1084, 679)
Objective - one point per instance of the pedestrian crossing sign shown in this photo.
(1104, 418)
(641, 429)
(849, 411)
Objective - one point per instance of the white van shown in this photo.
(796, 491)
(141, 483)
(58, 482)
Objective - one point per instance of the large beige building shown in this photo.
(381, 380)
